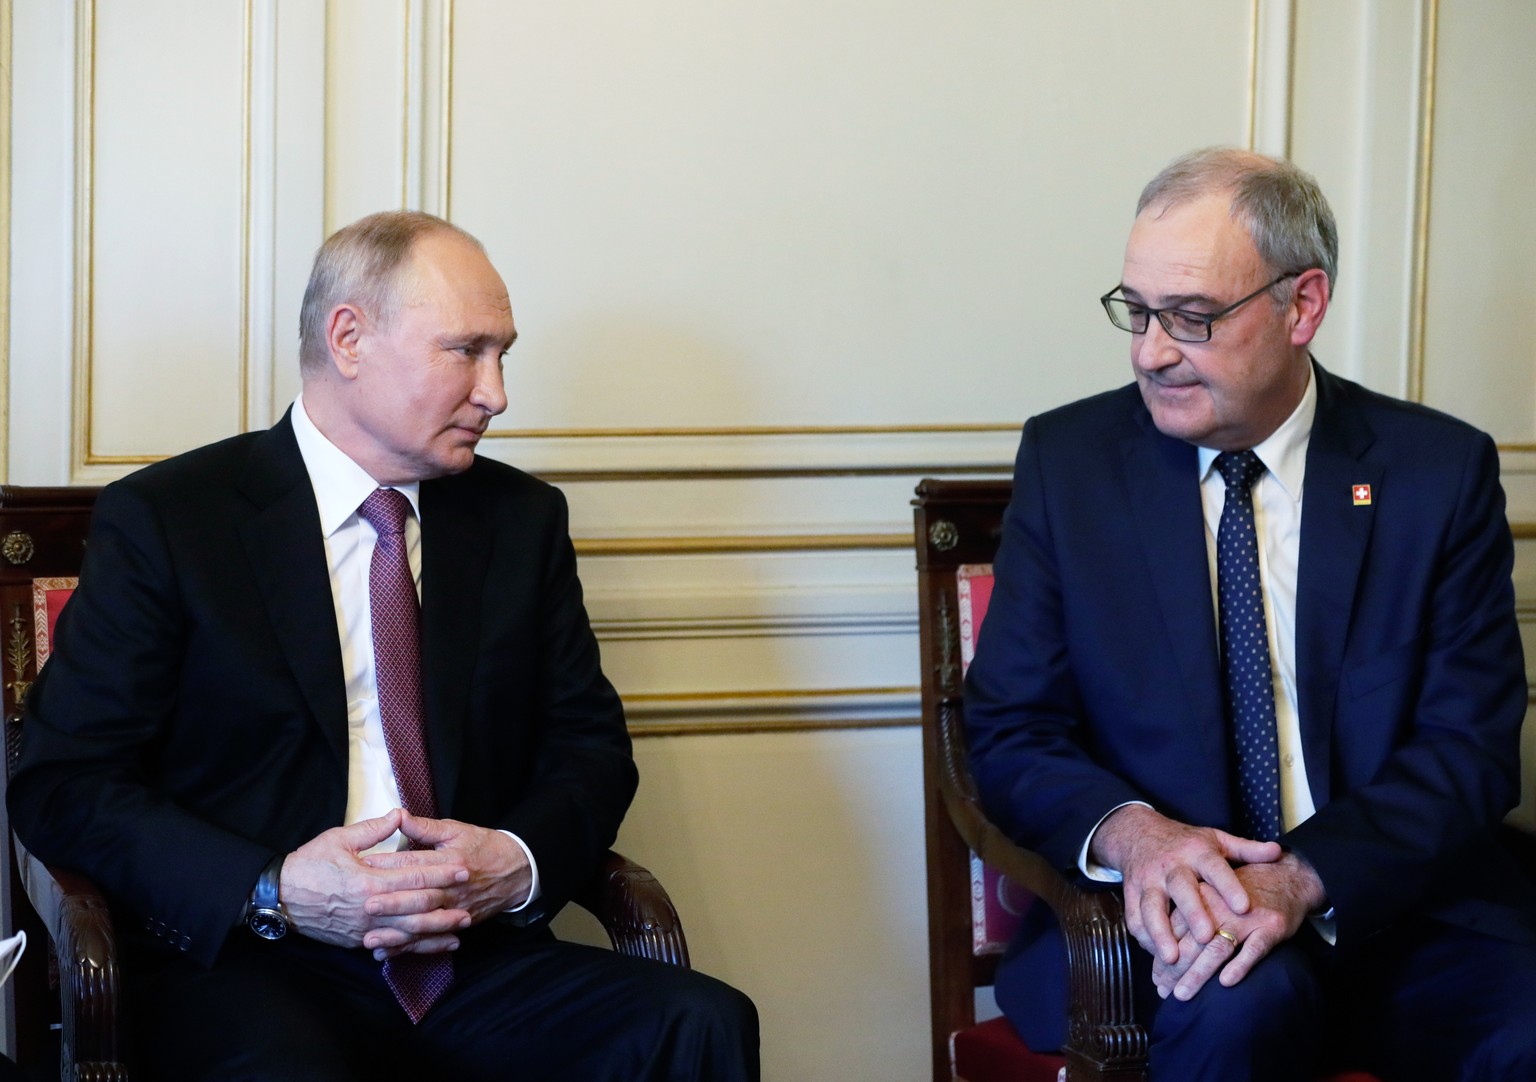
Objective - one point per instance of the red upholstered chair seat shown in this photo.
(993, 1052)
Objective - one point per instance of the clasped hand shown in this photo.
(411, 901)
(1184, 885)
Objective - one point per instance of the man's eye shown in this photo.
(1135, 311)
(1190, 322)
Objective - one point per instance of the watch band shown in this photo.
(264, 912)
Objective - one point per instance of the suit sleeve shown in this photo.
(1450, 700)
(84, 793)
(1024, 709)
(582, 776)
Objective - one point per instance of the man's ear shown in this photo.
(1309, 304)
(343, 339)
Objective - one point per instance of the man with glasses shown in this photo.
(1252, 651)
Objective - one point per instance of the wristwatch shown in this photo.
(264, 912)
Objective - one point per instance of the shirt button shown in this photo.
(1290, 760)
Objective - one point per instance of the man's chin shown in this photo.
(454, 460)
(1180, 422)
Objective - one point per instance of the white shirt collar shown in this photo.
(1284, 453)
(340, 484)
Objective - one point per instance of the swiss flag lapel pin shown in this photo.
(1362, 495)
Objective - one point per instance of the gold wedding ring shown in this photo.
(1228, 936)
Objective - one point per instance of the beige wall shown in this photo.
(771, 264)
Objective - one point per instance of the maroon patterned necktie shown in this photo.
(417, 980)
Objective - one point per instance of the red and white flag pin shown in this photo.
(1362, 494)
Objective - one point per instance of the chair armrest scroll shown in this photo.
(1104, 1039)
(85, 952)
(636, 912)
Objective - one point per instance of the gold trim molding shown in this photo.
(750, 431)
(6, 88)
(1423, 187)
(695, 546)
(749, 727)
(768, 695)
(715, 713)
(1253, 74)
(85, 171)
(83, 327)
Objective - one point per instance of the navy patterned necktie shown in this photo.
(1246, 677)
(417, 980)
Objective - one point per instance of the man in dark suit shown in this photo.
(333, 830)
(1289, 726)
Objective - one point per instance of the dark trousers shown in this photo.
(522, 1007)
(1424, 1003)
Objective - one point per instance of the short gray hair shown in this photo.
(363, 264)
(1281, 205)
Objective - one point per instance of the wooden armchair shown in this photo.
(68, 987)
(959, 524)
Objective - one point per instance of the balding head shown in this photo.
(367, 264)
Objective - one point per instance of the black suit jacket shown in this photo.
(192, 720)
(1096, 679)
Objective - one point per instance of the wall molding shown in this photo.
(1429, 39)
(777, 710)
(6, 89)
(1271, 76)
(754, 626)
(758, 726)
(251, 266)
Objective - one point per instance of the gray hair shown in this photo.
(365, 264)
(1281, 206)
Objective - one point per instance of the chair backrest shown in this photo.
(42, 543)
(957, 524)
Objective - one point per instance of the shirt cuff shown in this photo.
(534, 887)
(1098, 873)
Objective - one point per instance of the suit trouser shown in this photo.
(1427, 1002)
(523, 1006)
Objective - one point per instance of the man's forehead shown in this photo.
(446, 268)
(1194, 247)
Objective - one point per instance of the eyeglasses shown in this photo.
(1182, 326)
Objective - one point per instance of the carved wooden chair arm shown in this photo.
(635, 911)
(1103, 1037)
(86, 961)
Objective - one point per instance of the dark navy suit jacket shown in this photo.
(1096, 679)
(192, 720)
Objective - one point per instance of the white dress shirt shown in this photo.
(340, 486)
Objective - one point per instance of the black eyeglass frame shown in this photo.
(1204, 318)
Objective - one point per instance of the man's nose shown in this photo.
(1155, 348)
(490, 392)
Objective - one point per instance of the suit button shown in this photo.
(184, 943)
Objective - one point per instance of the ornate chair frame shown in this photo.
(960, 522)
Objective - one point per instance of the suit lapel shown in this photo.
(287, 557)
(455, 552)
(1334, 535)
(1164, 492)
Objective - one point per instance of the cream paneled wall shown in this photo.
(771, 264)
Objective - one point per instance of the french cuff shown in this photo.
(1096, 872)
(535, 889)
